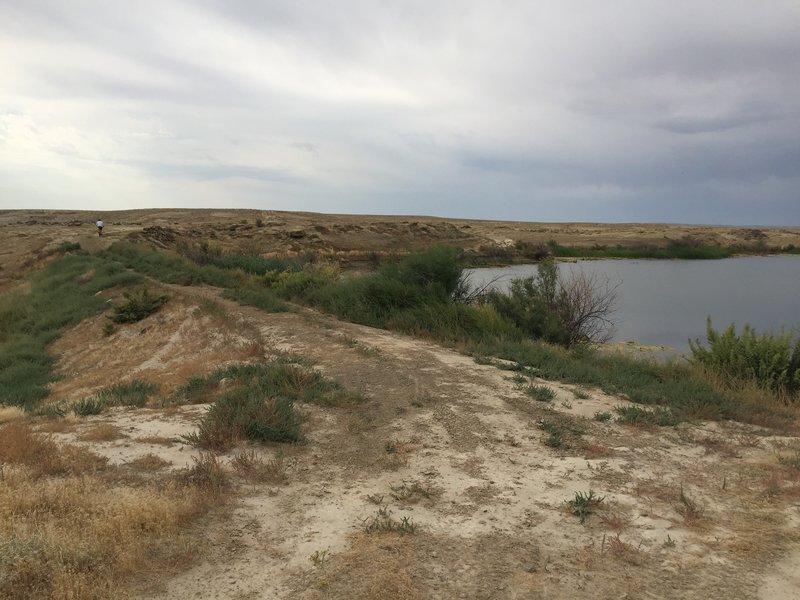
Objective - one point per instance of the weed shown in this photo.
(669, 542)
(688, 508)
(584, 504)
(561, 431)
(581, 394)
(250, 466)
(519, 379)
(129, 393)
(137, 306)
(109, 329)
(542, 393)
(634, 415)
(411, 492)
(319, 557)
(102, 433)
(375, 499)
(602, 416)
(792, 461)
(87, 406)
(382, 522)
(149, 462)
(207, 475)
(484, 360)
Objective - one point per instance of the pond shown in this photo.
(666, 302)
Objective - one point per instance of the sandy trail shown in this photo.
(454, 447)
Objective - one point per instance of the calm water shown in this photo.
(665, 303)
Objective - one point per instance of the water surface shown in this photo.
(666, 302)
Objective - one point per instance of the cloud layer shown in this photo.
(562, 110)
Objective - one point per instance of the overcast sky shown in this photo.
(563, 110)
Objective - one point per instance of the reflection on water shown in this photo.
(666, 302)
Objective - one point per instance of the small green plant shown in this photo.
(411, 492)
(484, 360)
(137, 306)
(519, 379)
(581, 394)
(634, 415)
(584, 504)
(129, 393)
(375, 499)
(602, 416)
(542, 393)
(252, 467)
(669, 542)
(87, 406)
(689, 509)
(792, 460)
(319, 557)
(383, 521)
(108, 329)
(561, 431)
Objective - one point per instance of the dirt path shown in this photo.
(455, 448)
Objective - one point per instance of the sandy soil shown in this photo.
(699, 511)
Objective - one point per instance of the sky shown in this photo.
(564, 110)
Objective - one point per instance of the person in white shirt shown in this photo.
(100, 225)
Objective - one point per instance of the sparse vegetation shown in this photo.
(383, 521)
(125, 525)
(635, 415)
(584, 504)
(603, 416)
(542, 393)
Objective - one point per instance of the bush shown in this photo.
(139, 305)
(257, 402)
(562, 311)
(772, 360)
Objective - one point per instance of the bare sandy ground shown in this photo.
(703, 510)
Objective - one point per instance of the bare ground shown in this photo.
(701, 510)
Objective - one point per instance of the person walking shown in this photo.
(100, 225)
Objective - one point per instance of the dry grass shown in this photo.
(149, 462)
(372, 569)
(70, 529)
(104, 432)
(64, 425)
(252, 467)
(11, 413)
(624, 551)
(156, 440)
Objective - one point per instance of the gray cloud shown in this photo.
(555, 110)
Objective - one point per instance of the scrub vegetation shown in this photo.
(544, 323)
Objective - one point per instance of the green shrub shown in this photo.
(256, 402)
(542, 393)
(138, 305)
(87, 406)
(634, 415)
(128, 393)
(772, 360)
